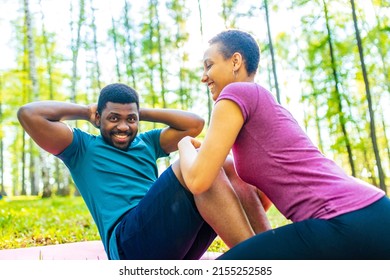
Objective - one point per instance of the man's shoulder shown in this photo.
(81, 140)
(81, 135)
(150, 140)
(150, 134)
(83, 132)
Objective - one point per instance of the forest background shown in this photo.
(326, 61)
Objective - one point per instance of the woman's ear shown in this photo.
(237, 61)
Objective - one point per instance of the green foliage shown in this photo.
(154, 51)
(161, 37)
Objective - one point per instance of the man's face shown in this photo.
(118, 124)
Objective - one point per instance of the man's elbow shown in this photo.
(27, 116)
(23, 114)
(197, 128)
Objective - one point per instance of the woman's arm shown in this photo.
(200, 168)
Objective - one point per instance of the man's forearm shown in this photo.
(177, 119)
(56, 111)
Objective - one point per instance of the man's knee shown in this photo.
(177, 171)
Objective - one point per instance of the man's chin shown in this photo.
(123, 147)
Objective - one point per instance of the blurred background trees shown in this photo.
(325, 60)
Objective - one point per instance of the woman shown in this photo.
(334, 215)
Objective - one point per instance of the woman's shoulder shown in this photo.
(241, 85)
(243, 90)
(244, 87)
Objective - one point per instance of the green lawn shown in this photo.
(29, 221)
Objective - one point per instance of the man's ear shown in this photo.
(97, 120)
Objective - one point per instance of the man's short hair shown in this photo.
(117, 93)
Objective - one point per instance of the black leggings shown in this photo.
(362, 234)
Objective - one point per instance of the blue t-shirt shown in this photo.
(112, 181)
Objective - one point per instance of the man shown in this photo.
(138, 214)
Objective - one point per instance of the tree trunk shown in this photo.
(97, 75)
(47, 190)
(386, 138)
(2, 187)
(160, 56)
(209, 100)
(130, 65)
(381, 174)
(337, 92)
(33, 76)
(23, 191)
(75, 46)
(115, 43)
(150, 59)
(271, 48)
(386, 73)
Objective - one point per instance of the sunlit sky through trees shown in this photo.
(302, 61)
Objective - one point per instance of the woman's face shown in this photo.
(218, 71)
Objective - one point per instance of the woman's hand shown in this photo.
(193, 141)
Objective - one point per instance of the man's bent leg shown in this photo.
(164, 225)
(222, 210)
(203, 240)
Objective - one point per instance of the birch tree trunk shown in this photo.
(45, 172)
(75, 47)
(34, 89)
(2, 188)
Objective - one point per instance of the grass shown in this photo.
(32, 221)
(35, 222)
